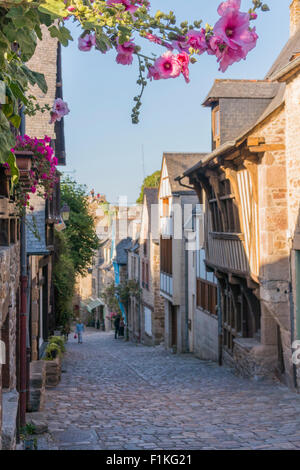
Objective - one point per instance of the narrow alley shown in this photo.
(117, 395)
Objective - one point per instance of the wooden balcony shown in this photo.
(227, 252)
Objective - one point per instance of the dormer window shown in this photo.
(216, 125)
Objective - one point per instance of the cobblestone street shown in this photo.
(116, 395)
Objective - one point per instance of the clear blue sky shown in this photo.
(104, 147)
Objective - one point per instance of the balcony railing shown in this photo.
(166, 284)
(227, 251)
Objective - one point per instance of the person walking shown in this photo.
(117, 326)
(121, 327)
(79, 331)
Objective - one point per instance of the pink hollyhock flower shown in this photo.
(181, 46)
(53, 117)
(153, 38)
(197, 40)
(125, 53)
(44, 176)
(33, 189)
(55, 161)
(253, 15)
(184, 61)
(168, 66)
(233, 29)
(128, 4)
(59, 110)
(86, 42)
(153, 73)
(235, 4)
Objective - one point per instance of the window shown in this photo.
(145, 274)
(206, 285)
(216, 125)
(228, 220)
(207, 296)
(166, 255)
(229, 208)
(216, 217)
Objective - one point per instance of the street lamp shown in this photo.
(65, 212)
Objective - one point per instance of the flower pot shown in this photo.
(24, 159)
(30, 443)
(4, 204)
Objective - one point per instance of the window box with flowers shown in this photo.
(37, 167)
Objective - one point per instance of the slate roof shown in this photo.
(291, 48)
(177, 164)
(122, 251)
(256, 89)
(151, 195)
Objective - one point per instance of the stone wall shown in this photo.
(205, 335)
(294, 16)
(274, 246)
(292, 97)
(9, 293)
(43, 61)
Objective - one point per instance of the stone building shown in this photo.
(176, 202)
(152, 314)
(250, 184)
(134, 305)
(9, 316)
(40, 246)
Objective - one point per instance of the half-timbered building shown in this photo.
(251, 186)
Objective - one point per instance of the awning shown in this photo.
(94, 303)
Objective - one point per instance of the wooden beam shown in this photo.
(251, 141)
(266, 148)
(233, 155)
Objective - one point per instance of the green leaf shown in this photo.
(8, 109)
(18, 93)
(54, 8)
(15, 120)
(35, 78)
(62, 34)
(14, 171)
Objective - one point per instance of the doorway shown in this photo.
(173, 327)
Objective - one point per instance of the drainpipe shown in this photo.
(292, 312)
(186, 255)
(220, 327)
(139, 303)
(23, 309)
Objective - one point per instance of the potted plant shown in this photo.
(37, 166)
(26, 435)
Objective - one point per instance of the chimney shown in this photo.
(294, 16)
